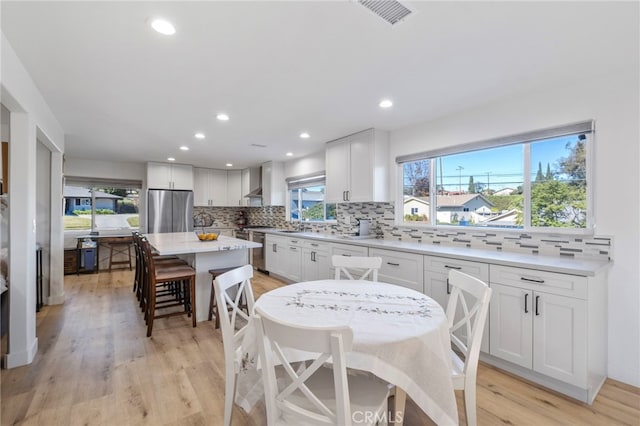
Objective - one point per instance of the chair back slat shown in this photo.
(470, 296)
(365, 267)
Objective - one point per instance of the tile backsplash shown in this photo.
(382, 219)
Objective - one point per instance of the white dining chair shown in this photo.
(470, 297)
(362, 265)
(233, 325)
(323, 392)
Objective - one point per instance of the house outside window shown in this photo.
(100, 208)
(307, 200)
(534, 181)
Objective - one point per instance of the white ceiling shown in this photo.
(124, 92)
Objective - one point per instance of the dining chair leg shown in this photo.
(192, 298)
(151, 309)
(229, 393)
(399, 403)
(469, 398)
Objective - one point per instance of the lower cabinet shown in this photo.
(316, 261)
(284, 257)
(400, 268)
(541, 321)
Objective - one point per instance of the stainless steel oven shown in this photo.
(257, 254)
(242, 234)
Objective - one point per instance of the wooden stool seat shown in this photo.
(213, 310)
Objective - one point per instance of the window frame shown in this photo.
(524, 139)
(301, 182)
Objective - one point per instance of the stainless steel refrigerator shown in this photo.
(169, 211)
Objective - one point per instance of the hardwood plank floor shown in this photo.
(96, 367)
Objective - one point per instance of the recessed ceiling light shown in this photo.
(385, 103)
(199, 135)
(163, 27)
(304, 135)
(184, 148)
(229, 165)
(171, 159)
(289, 154)
(222, 117)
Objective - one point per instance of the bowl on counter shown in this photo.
(207, 236)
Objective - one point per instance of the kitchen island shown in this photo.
(225, 252)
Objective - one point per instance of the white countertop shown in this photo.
(561, 264)
(188, 242)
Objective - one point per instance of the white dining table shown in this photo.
(399, 334)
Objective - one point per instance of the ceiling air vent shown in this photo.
(390, 10)
(257, 145)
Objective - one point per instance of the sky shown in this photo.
(504, 164)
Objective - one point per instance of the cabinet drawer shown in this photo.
(444, 265)
(316, 245)
(551, 282)
(400, 268)
(349, 250)
(70, 261)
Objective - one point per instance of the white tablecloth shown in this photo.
(400, 335)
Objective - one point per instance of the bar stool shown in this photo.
(119, 248)
(167, 286)
(213, 307)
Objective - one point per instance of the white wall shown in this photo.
(303, 166)
(613, 101)
(43, 210)
(30, 119)
(105, 169)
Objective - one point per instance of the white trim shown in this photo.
(18, 359)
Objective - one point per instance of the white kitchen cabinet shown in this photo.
(215, 187)
(550, 324)
(283, 257)
(169, 176)
(436, 283)
(316, 260)
(273, 183)
(234, 188)
(357, 168)
(400, 268)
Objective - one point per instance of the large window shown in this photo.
(538, 180)
(306, 200)
(91, 207)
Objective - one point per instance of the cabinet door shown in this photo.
(308, 265)
(361, 168)
(201, 187)
(274, 260)
(182, 176)
(337, 166)
(159, 176)
(245, 186)
(511, 325)
(560, 338)
(234, 188)
(218, 187)
(293, 259)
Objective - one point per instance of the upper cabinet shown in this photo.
(214, 187)
(273, 183)
(357, 168)
(169, 176)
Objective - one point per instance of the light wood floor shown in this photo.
(96, 367)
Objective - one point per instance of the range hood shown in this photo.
(255, 183)
(256, 193)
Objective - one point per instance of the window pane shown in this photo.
(559, 182)
(416, 180)
(481, 188)
(295, 209)
(115, 208)
(77, 216)
(312, 203)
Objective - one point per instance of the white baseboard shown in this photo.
(17, 359)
